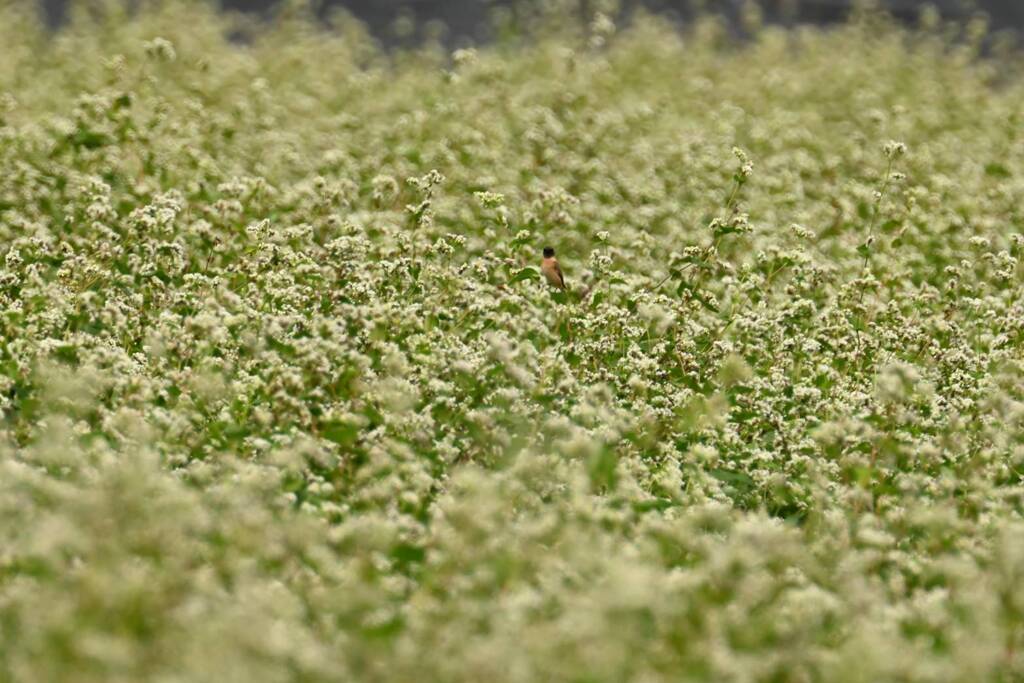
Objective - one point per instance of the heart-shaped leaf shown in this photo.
(524, 274)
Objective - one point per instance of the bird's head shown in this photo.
(548, 252)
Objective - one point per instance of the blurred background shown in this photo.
(466, 20)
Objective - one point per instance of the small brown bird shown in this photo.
(549, 267)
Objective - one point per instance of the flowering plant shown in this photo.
(284, 397)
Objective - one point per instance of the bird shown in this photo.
(549, 267)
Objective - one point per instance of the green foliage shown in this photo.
(285, 398)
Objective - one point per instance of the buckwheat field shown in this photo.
(285, 397)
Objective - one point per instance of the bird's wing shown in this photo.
(561, 278)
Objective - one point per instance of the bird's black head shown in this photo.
(548, 252)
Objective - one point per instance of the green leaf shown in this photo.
(281, 347)
(738, 480)
(406, 554)
(603, 469)
(524, 274)
(997, 170)
(88, 139)
(659, 504)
